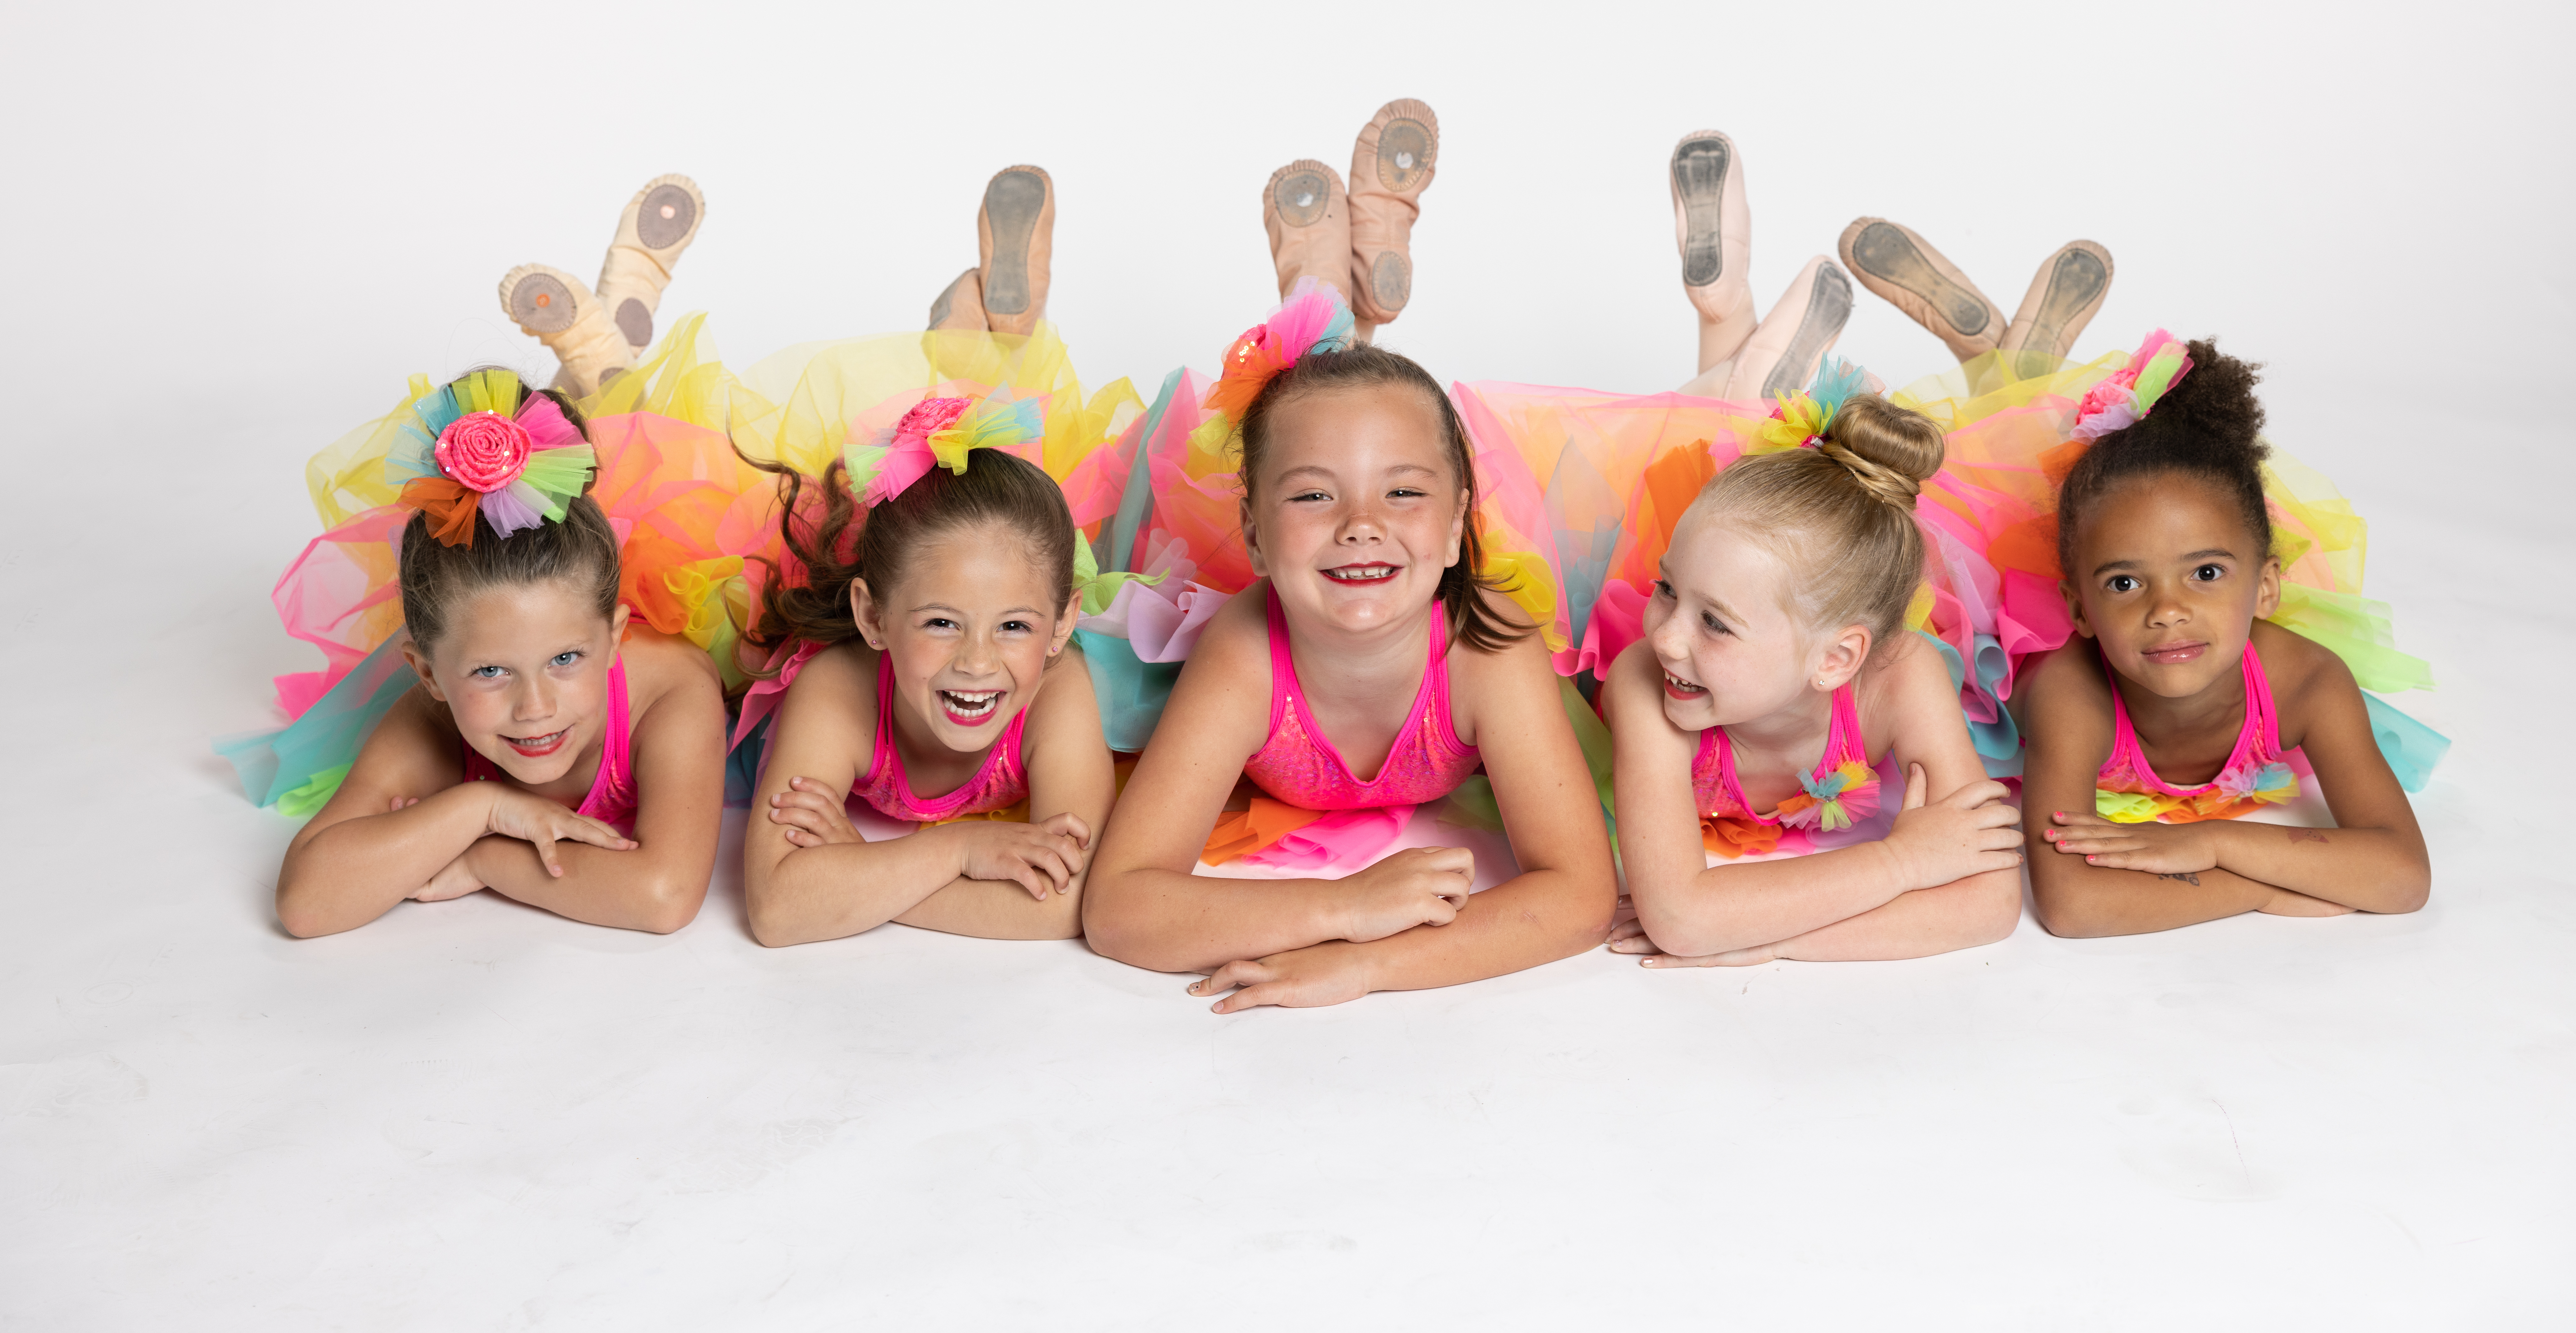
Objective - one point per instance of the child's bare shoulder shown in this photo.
(661, 666)
(2293, 663)
(1237, 638)
(2069, 675)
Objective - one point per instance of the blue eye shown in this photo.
(487, 672)
(560, 660)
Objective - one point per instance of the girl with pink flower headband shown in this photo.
(920, 637)
(1369, 637)
(545, 748)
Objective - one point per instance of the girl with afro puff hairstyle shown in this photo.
(2177, 704)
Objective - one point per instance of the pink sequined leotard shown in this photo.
(1301, 768)
(2256, 772)
(611, 799)
(1000, 783)
(1841, 795)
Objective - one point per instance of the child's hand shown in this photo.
(814, 814)
(1329, 973)
(1041, 858)
(452, 881)
(2157, 849)
(542, 823)
(1418, 886)
(1969, 832)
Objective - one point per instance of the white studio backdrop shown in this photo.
(233, 231)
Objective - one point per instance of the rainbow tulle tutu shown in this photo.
(691, 516)
(2006, 422)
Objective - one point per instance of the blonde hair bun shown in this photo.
(1890, 450)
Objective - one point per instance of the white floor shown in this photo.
(474, 1115)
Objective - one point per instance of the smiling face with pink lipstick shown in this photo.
(2167, 578)
(1356, 508)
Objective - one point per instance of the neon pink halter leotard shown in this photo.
(1840, 794)
(998, 785)
(1298, 766)
(611, 799)
(2129, 792)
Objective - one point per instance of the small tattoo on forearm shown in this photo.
(2305, 835)
(2188, 877)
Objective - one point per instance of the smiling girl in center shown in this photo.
(1366, 645)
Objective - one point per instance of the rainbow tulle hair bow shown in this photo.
(463, 452)
(939, 432)
(1313, 318)
(1801, 419)
(2124, 399)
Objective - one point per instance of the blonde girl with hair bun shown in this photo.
(1794, 777)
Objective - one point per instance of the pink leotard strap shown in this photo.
(611, 799)
(1000, 783)
(1713, 768)
(1299, 766)
(2254, 773)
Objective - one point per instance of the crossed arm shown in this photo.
(1405, 923)
(808, 875)
(2092, 877)
(1945, 878)
(405, 825)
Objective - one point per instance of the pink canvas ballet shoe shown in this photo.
(1909, 274)
(2069, 287)
(553, 307)
(1309, 221)
(1714, 229)
(1391, 165)
(659, 222)
(960, 305)
(1782, 354)
(1015, 239)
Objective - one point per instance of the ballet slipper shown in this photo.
(1391, 165)
(1909, 274)
(961, 305)
(1015, 237)
(2063, 297)
(1782, 354)
(553, 307)
(659, 222)
(1714, 229)
(1308, 217)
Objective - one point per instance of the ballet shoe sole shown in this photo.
(539, 302)
(1885, 252)
(1407, 149)
(1699, 171)
(1829, 307)
(2077, 281)
(668, 215)
(1012, 203)
(1301, 194)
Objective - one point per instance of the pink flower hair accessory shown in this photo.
(2129, 394)
(484, 446)
(940, 432)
